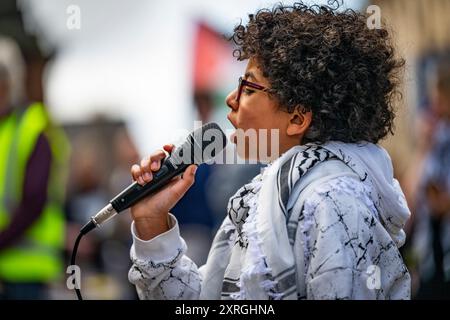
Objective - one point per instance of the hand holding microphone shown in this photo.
(158, 185)
(151, 214)
(161, 179)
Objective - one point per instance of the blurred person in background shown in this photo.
(114, 250)
(33, 155)
(428, 188)
(194, 212)
(204, 205)
(202, 209)
(86, 195)
(99, 169)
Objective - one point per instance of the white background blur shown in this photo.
(132, 60)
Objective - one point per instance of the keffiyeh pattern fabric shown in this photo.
(259, 208)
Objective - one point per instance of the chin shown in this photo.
(251, 148)
(250, 153)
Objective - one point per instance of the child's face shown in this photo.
(257, 110)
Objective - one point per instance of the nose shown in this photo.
(231, 100)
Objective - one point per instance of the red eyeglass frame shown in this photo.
(243, 83)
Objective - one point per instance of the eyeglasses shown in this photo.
(243, 83)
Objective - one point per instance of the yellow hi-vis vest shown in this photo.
(37, 256)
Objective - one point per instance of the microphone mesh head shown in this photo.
(203, 144)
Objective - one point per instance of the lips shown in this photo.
(233, 135)
(231, 121)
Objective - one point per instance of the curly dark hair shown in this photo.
(326, 60)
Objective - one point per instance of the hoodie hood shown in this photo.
(374, 167)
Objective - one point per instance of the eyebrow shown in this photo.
(250, 74)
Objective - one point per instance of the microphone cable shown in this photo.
(86, 228)
(174, 166)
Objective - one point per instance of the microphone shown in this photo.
(201, 145)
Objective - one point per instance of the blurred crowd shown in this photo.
(54, 177)
(427, 187)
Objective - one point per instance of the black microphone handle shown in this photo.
(136, 192)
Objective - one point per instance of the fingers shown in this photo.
(169, 148)
(143, 173)
(181, 186)
(145, 170)
(136, 173)
(155, 160)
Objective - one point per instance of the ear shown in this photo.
(299, 122)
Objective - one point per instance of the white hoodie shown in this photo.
(348, 215)
(374, 167)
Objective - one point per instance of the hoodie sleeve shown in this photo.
(351, 255)
(161, 270)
